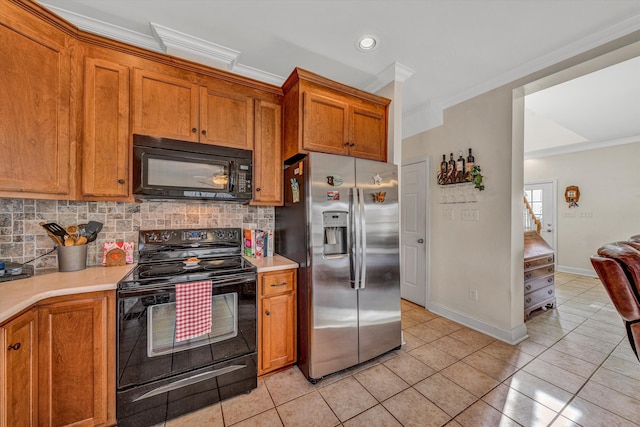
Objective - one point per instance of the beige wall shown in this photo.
(487, 255)
(609, 206)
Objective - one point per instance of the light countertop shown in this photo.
(16, 295)
(272, 263)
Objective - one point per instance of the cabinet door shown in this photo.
(19, 379)
(34, 112)
(368, 139)
(105, 145)
(267, 155)
(225, 119)
(76, 354)
(278, 332)
(164, 106)
(325, 124)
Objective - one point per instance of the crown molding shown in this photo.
(421, 119)
(107, 30)
(570, 50)
(257, 74)
(579, 146)
(430, 113)
(396, 72)
(186, 46)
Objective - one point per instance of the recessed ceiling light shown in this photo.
(367, 43)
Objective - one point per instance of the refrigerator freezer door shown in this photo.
(333, 317)
(379, 294)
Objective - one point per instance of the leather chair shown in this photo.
(618, 266)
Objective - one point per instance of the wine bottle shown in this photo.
(452, 164)
(460, 163)
(443, 164)
(470, 161)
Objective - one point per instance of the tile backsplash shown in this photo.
(22, 238)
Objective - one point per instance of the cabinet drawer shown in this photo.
(535, 284)
(536, 262)
(538, 272)
(538, 296)
(276, 283)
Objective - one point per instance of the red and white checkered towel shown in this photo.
(193, 309)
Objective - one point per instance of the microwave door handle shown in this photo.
(232, 176)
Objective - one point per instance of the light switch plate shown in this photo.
(470, 215)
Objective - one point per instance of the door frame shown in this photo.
(554, 211)
(427, 230)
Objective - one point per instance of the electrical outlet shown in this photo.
(473, 294)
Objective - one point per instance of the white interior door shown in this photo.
(542, 198)
(414, 237)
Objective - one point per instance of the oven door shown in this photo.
(147, 350)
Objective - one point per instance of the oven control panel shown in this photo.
(193, 235)
(189, 237)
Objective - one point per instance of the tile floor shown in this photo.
(576, 369)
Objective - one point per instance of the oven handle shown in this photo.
(146, 290)
(189, 381)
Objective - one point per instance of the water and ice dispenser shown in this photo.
(334, 225)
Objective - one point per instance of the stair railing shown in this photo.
(531, 221)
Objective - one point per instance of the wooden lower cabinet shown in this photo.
(64, 370)
(19, 371)
(276, 320)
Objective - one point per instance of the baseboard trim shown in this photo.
(573, 270)
(512, 336)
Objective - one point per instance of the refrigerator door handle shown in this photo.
(363, 239)
(355, 244)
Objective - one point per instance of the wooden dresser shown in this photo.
(539, 281)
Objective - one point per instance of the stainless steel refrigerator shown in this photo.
(340, 223)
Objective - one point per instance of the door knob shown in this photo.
(420, 240)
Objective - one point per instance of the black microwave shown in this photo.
(170, 169)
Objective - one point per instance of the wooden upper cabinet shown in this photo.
(165, 106)
(105, 142)
(368, 132)
(225, 119)
(267, 155)
(326, 116)
(19, 372)
(325, 124)
(35, 85)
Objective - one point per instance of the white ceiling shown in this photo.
(447, 50)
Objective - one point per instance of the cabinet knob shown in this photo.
(550, 291)
(352, 145)
(267, 312)
(527, 265)
(16, 346)
(527, 276)
(528, 287)
(194, 130)
(549, 269)
(528, 300)
(204, 132)
(121, 181)
(346, 144)
(258, 189)
(549, 279)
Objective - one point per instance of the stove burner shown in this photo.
(222, 263)
(148, 271)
